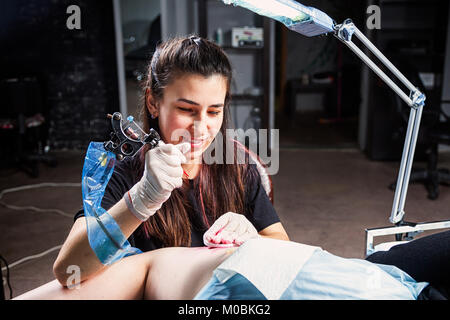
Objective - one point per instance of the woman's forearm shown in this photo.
(125, 219)
(275, 231)
(277, 236)
(76, 252)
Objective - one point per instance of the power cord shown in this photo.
(14, 264)
(7, 278)
(35, 186)
(39, 255)
(31, 208)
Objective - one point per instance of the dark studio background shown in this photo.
(72, 77)
(340, 142)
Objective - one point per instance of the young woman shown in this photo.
(168, 196)
(156, 206)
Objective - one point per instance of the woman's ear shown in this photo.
(151, 103)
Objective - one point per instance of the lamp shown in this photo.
(297, 17)
(311, 22)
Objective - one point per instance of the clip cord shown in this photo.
(105, 236)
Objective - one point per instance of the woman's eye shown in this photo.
(212, 111)
(185, 109)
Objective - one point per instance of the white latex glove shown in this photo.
(229, 230)
(162, 174)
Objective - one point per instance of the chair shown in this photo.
(433, 132)
(433, 176)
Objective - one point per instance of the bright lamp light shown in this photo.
(305, 20)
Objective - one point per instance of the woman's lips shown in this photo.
(196, 143)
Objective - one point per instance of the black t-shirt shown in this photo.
(259, 209)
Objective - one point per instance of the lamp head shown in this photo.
(297, 17)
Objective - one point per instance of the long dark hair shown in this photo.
(218, 188)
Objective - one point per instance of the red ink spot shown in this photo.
(220, 230)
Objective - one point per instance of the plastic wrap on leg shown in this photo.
(293, 271)
(105, 236)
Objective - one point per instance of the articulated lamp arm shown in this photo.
(415, 99)
(313, 22)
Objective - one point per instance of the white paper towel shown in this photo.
(269, 264)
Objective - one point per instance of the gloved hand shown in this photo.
(162, 174)
(230, 229)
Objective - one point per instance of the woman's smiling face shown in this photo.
(191, 110)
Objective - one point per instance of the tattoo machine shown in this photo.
(105, 236)
(128, 138)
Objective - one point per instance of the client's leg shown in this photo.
(124, 279)
(425, 259)
(169, 273)
(180, 273)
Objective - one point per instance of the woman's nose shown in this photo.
(200, 126)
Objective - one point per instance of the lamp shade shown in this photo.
(297, 17)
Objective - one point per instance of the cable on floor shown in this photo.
(31, 208)
(35, 186)
(7, 276)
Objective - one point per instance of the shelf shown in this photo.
(251, 65)
(245, 97)
(243, 49)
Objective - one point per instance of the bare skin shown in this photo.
(168, 273)
(192, 103)
(182, 272)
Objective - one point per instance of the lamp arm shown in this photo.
(415, 99)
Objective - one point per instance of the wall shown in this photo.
(446, 79)
(76, 68)
(136, 16)
(319, 54)
(178, 18)
(303, 51)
